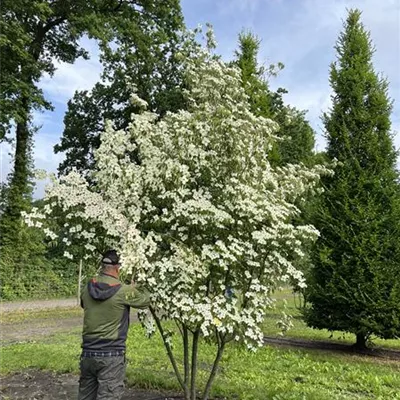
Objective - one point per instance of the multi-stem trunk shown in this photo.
(186, 362)
(168, 348)
(190, 358)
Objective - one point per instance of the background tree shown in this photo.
(296, 133)
(354, 285)
(296, 137)
(254, 76)
(34, 34)
(150, 62)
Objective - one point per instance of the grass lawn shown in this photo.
(271, 373)
(300, 330)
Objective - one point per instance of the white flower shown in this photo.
(90, 247)
(68, 255)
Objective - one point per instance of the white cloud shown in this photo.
(313, 98)
(305, 45)
(44, 118)
(5, 160)
(68, 78)
(43, 155)
(45, 158)
(238, 6)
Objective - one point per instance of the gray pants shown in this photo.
(102, 378)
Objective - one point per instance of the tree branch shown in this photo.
(52, 24)
(168, 348)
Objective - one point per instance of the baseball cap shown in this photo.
(110, 257)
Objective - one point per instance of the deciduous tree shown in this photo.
(35, 34)
(197, 212)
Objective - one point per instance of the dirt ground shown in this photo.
(40, 385)
(40, 326)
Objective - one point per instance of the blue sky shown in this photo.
(299, 33)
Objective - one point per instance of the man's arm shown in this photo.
(137, 297)
(83, 290)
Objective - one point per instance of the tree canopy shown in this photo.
(37, 33)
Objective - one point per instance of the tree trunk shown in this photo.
(168, 348)
(186, 362)
(20, 189)
(19, 184)
(361, 342)
(195, 343)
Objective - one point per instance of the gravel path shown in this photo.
(39, 326)
(13, 306)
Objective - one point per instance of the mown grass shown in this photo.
(287, 302)
(270, 373)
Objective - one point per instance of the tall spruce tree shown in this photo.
(253, 75)
(354, 285)
(298, 137)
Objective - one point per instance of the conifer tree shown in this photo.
(297, 134)
(354, 285)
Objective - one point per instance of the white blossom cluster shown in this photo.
(80, 234)
(194, 207)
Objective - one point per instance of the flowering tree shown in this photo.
(197, 213)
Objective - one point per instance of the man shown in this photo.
(106, 302)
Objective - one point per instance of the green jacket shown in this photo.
(106, 302)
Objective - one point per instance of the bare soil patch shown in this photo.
(44, 385)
